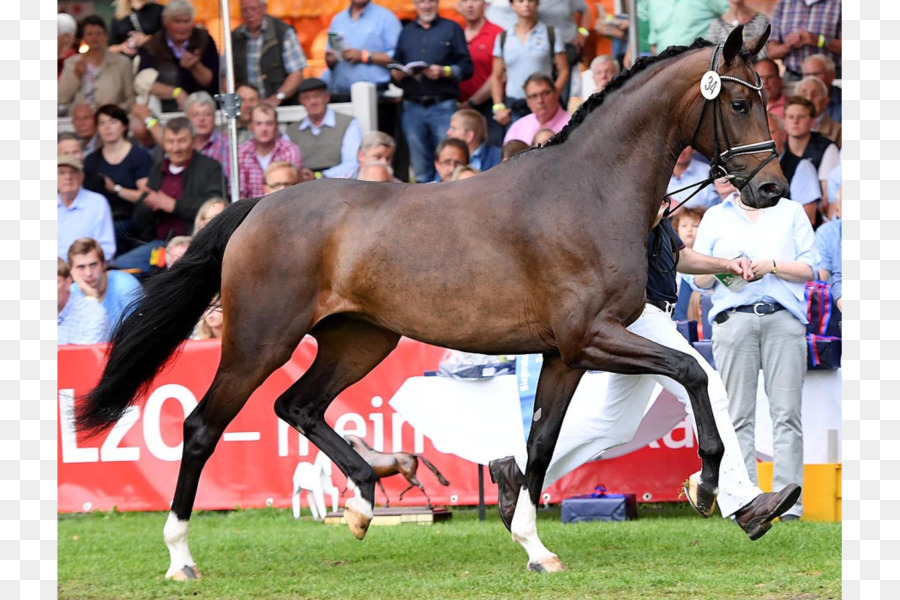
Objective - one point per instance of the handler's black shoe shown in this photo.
(509, 479)
(756, 517)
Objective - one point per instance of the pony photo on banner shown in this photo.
(542, 254)
(394, 463)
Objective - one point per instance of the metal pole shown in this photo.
(230, 102)
(481, 511)
(633, 47)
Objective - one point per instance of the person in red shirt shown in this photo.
(475, 92)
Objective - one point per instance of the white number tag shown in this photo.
(710, 85)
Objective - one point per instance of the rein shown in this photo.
(717, 168)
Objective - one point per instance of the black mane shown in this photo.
(621, 79)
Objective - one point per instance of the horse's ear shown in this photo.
(733, 44)
(760, 42)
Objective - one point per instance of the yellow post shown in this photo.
(821, 489)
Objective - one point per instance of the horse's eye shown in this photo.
(739, 106)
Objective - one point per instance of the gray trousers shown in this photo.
(777, 344)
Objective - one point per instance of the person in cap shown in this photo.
(328, 140)
(80, 212)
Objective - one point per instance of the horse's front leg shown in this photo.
(613, 348)
(556, 386)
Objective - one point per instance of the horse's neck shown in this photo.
(633, 138)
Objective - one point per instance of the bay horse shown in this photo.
(394, 463)
(542, 254)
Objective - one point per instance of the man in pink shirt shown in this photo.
(266, 146)
(546, 112)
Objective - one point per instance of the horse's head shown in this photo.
(732, 130)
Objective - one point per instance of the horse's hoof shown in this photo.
(358, 515)
(186, 573)
(701, 496)
(551, 564)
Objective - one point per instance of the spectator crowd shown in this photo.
(143, 165)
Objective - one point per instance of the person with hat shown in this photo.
(79, 212)
(328, 140)
(267, 54)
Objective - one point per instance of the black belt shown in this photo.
(429, 100)
(663, 305)
(759, 309)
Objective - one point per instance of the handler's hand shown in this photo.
(741, 266)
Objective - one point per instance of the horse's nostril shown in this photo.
(770, 190)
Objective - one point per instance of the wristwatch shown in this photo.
(281, 96)
(117, 188)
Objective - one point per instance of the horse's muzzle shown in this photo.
(765, 194)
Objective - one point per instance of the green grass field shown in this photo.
(668, 552)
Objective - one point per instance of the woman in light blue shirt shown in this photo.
(762, 323)
(525, 50)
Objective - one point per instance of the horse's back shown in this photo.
(406, 257)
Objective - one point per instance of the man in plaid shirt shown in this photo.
(801, 28)
(266, 146)
(267, 54)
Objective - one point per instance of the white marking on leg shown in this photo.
(524, 528)
(175, 533)
(360, 505)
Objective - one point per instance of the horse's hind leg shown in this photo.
(348, 350)
(556, 386)
(613, 348)
(244, 366)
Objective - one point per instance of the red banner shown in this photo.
(134, 466)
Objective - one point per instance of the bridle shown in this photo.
(718, 165)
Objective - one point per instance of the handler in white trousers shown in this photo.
(587, 433)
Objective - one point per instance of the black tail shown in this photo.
(159, 322)
(434, 470)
